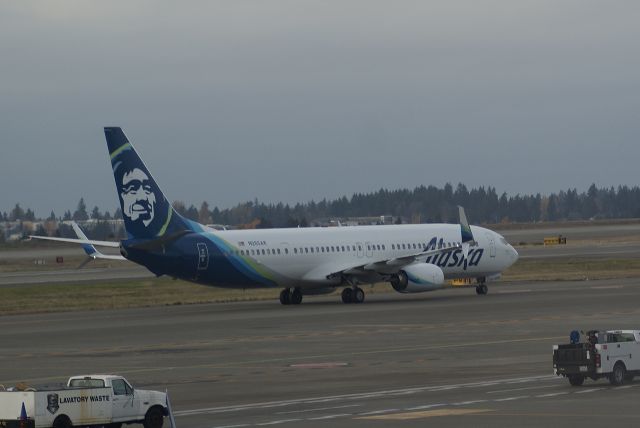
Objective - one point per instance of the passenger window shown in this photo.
(403, 246)
(359, 248)
(119, 387)
(263, 251)
(295, 251)
(393, 246)
(382, 247)
(333, 248)
(286, 251)
(306, 250)
(378, 247)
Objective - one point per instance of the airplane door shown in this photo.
(369, 249)
(203, 256)
(360, 249)
(492, 245)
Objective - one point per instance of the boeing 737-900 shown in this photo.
(301, 261)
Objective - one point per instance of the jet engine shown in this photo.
(417, 278)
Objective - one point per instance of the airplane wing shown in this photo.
(394, 265)
(87, 245)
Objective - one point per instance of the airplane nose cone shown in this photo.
(514, 255)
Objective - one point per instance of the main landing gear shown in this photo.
(481, 288)
(353, 295)
(291, 297)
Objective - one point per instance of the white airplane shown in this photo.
(301, 261)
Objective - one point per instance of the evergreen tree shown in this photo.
(81, 211)
(95, 213)
(17, 213)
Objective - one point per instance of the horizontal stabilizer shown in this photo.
(78, 241)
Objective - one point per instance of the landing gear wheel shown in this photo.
(296, 296)
(285, 296)
(482, 289)
(347, 295)
(357, 295)
(154, 418)
(618, 375)
(576, 380)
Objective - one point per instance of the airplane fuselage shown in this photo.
(306, 257)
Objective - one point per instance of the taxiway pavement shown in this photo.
(450, 358)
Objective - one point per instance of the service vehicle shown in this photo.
(612, 354)
(92, 400)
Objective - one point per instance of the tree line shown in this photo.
(423, 204)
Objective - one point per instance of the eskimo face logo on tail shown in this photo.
(138, 199)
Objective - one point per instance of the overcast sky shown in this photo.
(290, 101)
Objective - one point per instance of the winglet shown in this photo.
(465, 232)
(465, 229)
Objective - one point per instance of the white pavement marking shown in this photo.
(355, 396)
(521, 397)
(282, 421)
(378, 412)
(555, 394)
(586, 391)
(466, 403)
(520, 389)
(427, 406)
(318, 409)
(322, 418)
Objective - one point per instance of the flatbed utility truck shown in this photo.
(611, 354)
(88, 401)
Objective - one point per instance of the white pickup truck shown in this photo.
(612, 354)
(94, 400)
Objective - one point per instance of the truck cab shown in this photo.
(128, 404)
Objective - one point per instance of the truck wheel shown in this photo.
(576, 380)
(154, 418)
(62, 421)
(618, 375)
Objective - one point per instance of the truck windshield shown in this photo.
(86, 383)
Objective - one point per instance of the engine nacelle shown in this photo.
(418, 278)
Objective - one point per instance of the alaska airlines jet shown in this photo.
(301, 261)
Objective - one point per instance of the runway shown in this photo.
(463, 359)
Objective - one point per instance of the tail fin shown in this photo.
(147, 213)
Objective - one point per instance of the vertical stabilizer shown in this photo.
(147, 213)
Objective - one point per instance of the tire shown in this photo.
(62, 421)
(114, 425)
(576, 380)
(285, 296)
(347, 295)
(618, 374)
(296, 296)
(358, 295)
(154, 418)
